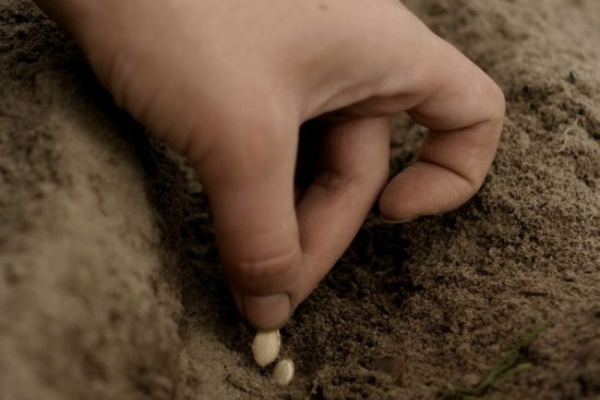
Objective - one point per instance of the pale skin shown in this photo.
(228, 83)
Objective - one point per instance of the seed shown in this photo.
(265, 347)
(283, 372)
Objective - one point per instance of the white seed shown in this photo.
(265, 347)
(283, 372)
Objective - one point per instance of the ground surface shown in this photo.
(109, 279)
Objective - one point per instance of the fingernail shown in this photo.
(399, 221)
(267, 312)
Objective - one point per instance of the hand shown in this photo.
(228, 83)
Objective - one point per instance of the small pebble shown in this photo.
(393, 366)
(569, 276)
(283, 372)
(470, 380)
(265, 347)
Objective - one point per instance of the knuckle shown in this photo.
(265, 266)
(335, 181)
(365, 177)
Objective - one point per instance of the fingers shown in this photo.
(463, 109)
(413, 70)
(275, 255)
(449, 170)
(351, 173)
(248, 174)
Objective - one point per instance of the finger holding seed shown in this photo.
(265, 347)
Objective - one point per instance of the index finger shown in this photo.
(463, 109)
(248, 173)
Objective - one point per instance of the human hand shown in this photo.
(228, 83)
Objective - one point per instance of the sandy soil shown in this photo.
(109, 278)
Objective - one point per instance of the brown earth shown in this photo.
(109, 278)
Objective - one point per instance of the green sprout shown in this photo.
(508, 366)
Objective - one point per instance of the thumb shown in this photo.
(248, 174)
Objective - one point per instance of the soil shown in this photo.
(109, 279)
